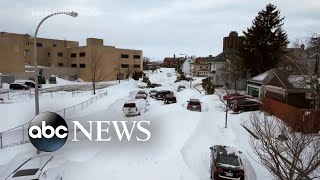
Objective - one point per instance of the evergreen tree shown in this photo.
(265, 41)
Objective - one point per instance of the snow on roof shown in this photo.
(298, 81)
(261, 77)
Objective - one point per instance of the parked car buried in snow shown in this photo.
(225, 163)
(153, 85)
(161, 94)
(233, 96)
(152, 93)
(169, 99)
(181, 88)
(141, 95)
(194, 105)
(241, 105)
(134, 107)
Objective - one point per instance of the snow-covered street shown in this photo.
(177, 150)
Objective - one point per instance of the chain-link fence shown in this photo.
(19, 134)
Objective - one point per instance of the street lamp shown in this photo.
(36, 90)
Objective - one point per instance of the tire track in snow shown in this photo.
(196, 151)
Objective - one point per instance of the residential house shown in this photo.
(288, 97)
(175, 62)
(216, 65)
(201, 66)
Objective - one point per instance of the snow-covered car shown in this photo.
(142, 85)
(161, 94)
(225, 163)
(152, 93)
(242, 105)
(141, 95)
(169, 99)
(31, 169)
(134, 107)
(181, 88)
(194, 105)
(153, 85)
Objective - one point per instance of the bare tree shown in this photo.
(233, 70)
(97, 74)
(145, 63)
(222, 94)
(287, 155)
(306, 64)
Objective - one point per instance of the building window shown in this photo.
(136, 65)
(60, 64)
(82, 54)
(48, 54)
(39, 44)
(136, 56)
(82, 65)
(26, 53)
(124, 65)
(73, 55)
(125, 56)
(54, 45)
(60, 54)
(74, 65)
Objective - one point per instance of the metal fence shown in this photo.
(19, 135)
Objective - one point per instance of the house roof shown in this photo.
(222, 56)
(266, 77)
(277, 76)
(203, 60)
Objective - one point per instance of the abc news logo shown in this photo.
(48, 131)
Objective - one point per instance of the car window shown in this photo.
(25, 172)
(194, 103)
(129, 105)
(230, 160)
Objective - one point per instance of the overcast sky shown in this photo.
(159, 28)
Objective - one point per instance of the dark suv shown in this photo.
(18, 86)
(161, 94)
(169, 99)
(245, 105)
(225, 163)
(194, 105)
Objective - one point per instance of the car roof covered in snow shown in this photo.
(227, 151)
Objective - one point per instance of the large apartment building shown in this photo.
(66, 58)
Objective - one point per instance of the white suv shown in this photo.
(134, 107)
